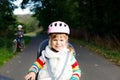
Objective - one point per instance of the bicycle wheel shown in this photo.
(14, 46)
(22, 45)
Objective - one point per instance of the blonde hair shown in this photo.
(54, 35)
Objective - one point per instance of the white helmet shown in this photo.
(19, 26)
(58, 27)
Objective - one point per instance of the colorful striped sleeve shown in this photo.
(36, 67)
(76, 70)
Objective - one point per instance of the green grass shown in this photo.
(34, 33)
(110, 54)
(6, 53)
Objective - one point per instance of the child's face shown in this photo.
(19, 28)
(58, 41)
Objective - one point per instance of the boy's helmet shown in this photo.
(19, 26)
(58, 27)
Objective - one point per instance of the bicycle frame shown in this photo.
(18, 45)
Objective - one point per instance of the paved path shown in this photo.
(93, 66)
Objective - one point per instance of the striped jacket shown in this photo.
(57, 61)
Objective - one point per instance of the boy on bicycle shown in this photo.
(20, 34)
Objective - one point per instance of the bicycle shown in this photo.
(18, 45)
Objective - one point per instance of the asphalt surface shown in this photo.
(93, 66)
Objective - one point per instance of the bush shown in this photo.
(2, 42)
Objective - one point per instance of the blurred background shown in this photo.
(94, 23)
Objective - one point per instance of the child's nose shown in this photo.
(58, 42)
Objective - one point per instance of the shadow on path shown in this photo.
(4, 78)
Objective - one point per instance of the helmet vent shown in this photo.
(60, 24)
(55, 24)
(65, 25)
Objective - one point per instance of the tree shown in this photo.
(49, 11)
(6, 17)
(93, 16)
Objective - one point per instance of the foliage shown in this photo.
(5, 56)
(30, 24)
(96, 16)
(1, 42)
(6, 17)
